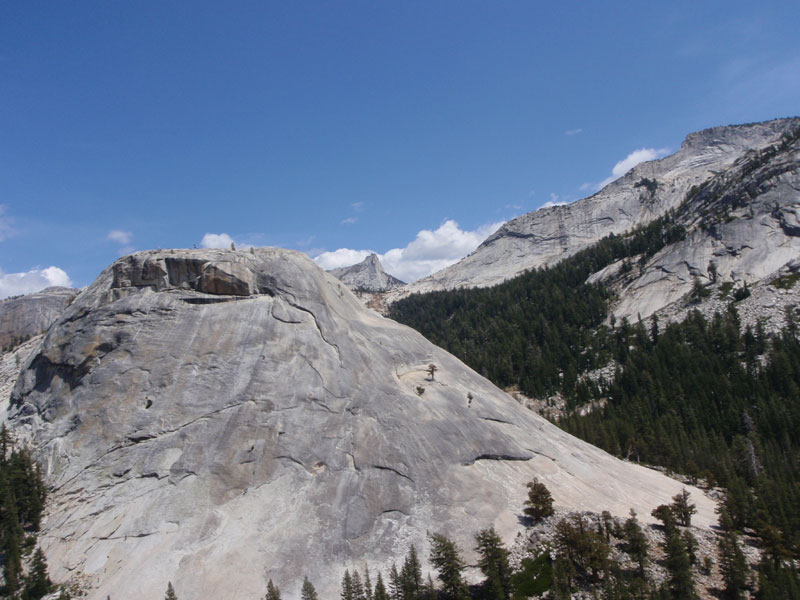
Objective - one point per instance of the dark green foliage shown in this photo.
(446, 558)
(536, 330)
(380, 589)
(273, 592)
(636, 543)
(308, 592)
(707, 397)
(358, 588)
(539, 504)
(732, 562)
(651, 185)
(678, 563)
(586, 550)
(22, 497)
(347, 593)
(682, 508)
(786, 282)
(534, 577)
(368, 593)
(395, 584)
(493, 563)
(37, 583)
(411, 576)
(170, 595)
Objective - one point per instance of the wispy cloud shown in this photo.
(555, 200)
(357, 206)
(349, 221)
(573, 131)
(120, 236)
(35, 280)
(626, 164)
(430, 251)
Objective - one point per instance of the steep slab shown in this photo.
(217, 418)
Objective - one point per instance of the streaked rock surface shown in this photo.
(217, 418)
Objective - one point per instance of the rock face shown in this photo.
(30, 315)
(548, 235)
(217, 418)
(367, 276)
(742, 227)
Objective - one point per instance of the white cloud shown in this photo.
(555, 200)
(216, 240)
(573, 131)
(429, 252)
(224, 241)
(349, 221)
(117, 235)
(343, 257)
(14, 284)
(626, 164)
(357, 206)
(5, 224)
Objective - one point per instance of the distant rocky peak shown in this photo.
(367, 276)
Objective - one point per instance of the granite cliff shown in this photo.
(29, 315)
(217, 418)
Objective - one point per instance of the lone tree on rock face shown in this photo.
(170, 592)
(539, 503)
(682, 509)
(432, 368)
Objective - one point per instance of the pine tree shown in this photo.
(446, 557)
(411, 576)
(170, 592)
(37, 583)
(273, 592)
(539, 504)
(308, 592)
(682, 509)
(732, 562)
(493, 563)
(368, 593)
(358, 587)
(636, 543)
(678, 563)
(347, 587)
(380, 589)
(395, 584)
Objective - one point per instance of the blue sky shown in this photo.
(405, 127)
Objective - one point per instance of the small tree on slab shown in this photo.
(170, 592)
(539, 504)
(432, 368)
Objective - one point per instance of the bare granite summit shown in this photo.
(217, 418)
(367, 276)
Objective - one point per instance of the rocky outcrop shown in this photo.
(218, 418)
(367, 276)
(26, 316)
(741, 229)
(548, 235)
